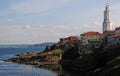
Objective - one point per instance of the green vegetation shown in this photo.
(57, 51)
(54, 57)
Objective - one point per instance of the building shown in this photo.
(117, 30)
(112, 32)
(109, 33)
(68, 40)
(91, 37)
(106, 22)
(90, 40)
(113, 40)
(114, 37)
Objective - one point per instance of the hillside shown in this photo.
(28, 45)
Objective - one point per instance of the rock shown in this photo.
(40, 58)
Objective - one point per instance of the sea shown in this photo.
(14, 69)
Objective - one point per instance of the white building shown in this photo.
(106, 22)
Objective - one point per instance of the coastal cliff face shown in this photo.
(73, 61)
(100, 61)
(112, 65)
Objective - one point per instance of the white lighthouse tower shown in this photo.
(106, 22)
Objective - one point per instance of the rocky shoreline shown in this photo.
(38, 58)
(99, 61)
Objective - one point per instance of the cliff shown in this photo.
(99, 61)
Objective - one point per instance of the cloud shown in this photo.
(27, 27)
(37, 6)
(96, 23)
(95, 26)
(11, 20)
(38, 34)
(28, 34)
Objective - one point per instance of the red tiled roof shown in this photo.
(91, 33)
(117, 35)
(72, 37)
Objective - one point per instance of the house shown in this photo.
(68, 40)
(112, 32)
(90, 40)
(113, 38)
(91, 37)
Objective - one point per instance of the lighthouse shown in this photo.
(106, 22)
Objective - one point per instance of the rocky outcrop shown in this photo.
(92, 60)
(40, 58)
(80, 64)
(112, 68)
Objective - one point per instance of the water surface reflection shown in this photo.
(11, 69)
(62, 71)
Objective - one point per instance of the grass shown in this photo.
(57, 51)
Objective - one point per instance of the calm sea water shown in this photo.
(11, 52)
(12, 69)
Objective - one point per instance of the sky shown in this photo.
(38, 21)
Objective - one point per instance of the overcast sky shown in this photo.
(37, 21)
